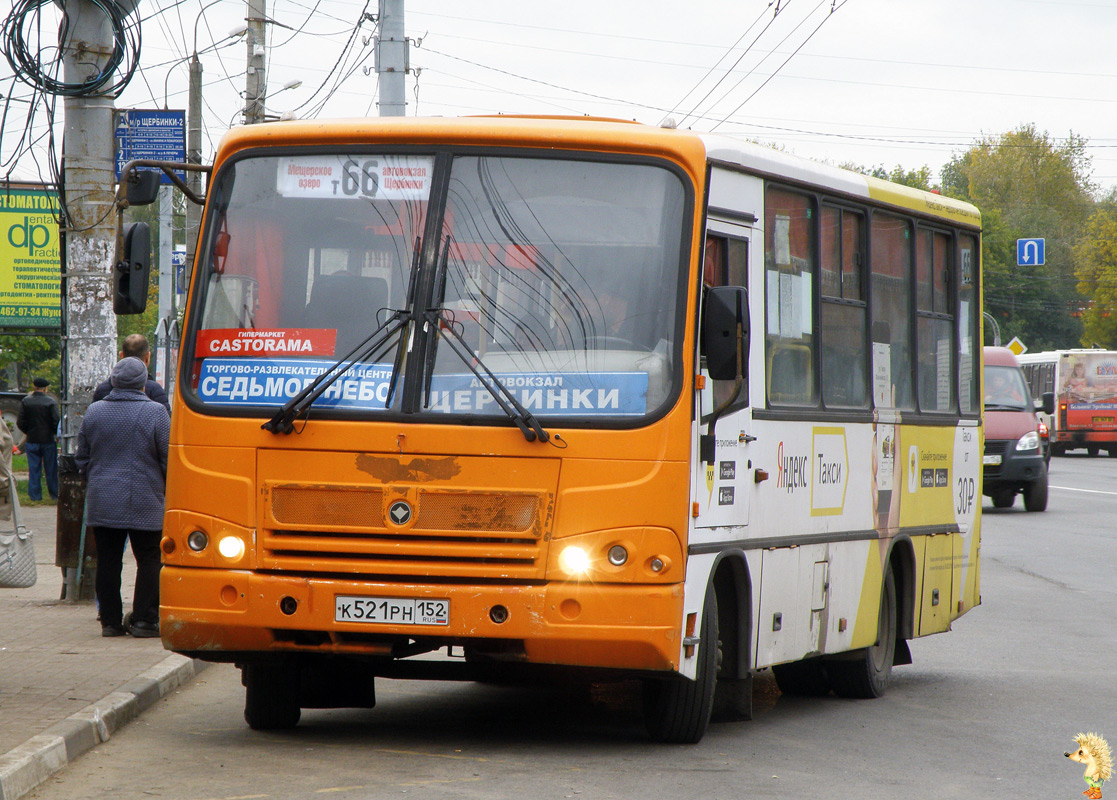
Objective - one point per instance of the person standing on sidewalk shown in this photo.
(122, 452)
(135, 345)
(38, 419)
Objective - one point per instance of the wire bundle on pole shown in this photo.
(22, 44)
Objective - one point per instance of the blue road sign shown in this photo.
(178, 261)
(153, 134)
(1029, 252)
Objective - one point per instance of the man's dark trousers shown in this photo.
(40, 456)
(110, 559)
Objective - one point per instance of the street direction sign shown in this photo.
(1029, 252)
(155, 134)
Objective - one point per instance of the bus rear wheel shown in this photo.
(271, 696)
(868, 674)
(677, 710)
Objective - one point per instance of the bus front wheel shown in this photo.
(677, 710)
(868, 673)
(271, 699)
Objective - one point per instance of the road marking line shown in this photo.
(1088, 491)
(339, 789)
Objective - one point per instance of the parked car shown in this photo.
(1015, 461)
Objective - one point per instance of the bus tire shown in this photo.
(1092, 450)
(868, 674)
(677, 710)
(1035, 495)
(270, 697)
(802, 678)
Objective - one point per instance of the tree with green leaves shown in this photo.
(1029, 185)
(1096, 255)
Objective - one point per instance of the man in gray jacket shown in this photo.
(122, 452)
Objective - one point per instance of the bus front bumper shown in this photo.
(214, 613)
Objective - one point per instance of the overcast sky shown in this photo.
(874, 82)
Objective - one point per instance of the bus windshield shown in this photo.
(558, 276)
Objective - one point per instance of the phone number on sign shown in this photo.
(29, 311)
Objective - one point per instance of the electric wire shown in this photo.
(728, 72)
(834, 7)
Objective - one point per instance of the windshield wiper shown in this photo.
(526, 421)
(283, 421)
(444, 322)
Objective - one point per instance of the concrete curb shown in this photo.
(25, 767)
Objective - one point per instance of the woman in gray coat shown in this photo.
(122, 452)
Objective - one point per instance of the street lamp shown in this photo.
(229, 40)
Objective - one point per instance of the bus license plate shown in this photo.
(1103, 419)
(392, 610)
(991, 459)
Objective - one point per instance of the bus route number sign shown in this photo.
(392, 610)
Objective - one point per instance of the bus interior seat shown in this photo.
(789, 373)
(348, 303)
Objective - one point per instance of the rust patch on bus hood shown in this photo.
(391, 469)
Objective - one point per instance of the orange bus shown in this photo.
(510, 397)
(1084, 384)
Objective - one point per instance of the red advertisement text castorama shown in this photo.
(275, 342)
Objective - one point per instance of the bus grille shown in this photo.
(453, 533)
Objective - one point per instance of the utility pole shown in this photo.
(88, 323)
(256, 84)
(193, 156)
(392, 59)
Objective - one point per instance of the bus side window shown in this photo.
(934, 322)
(789, 271)
(842, 310)
(890, 254)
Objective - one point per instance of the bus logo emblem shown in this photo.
(400, 512)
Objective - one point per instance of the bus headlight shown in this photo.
(197, 541)
(575, 561)
(231, 547)
(1029, 441)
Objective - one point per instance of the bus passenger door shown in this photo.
(722, 485)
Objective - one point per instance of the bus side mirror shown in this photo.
(1048, 403)
(142, 187)
(725, 332)
(132, 272)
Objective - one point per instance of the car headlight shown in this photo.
(1029, 441)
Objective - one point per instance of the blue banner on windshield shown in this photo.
(272, 382)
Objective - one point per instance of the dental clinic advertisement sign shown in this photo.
(272, 382)
(30, 272)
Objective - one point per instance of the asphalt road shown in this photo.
(985, 711)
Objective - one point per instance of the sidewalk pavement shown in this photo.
(64, 688)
